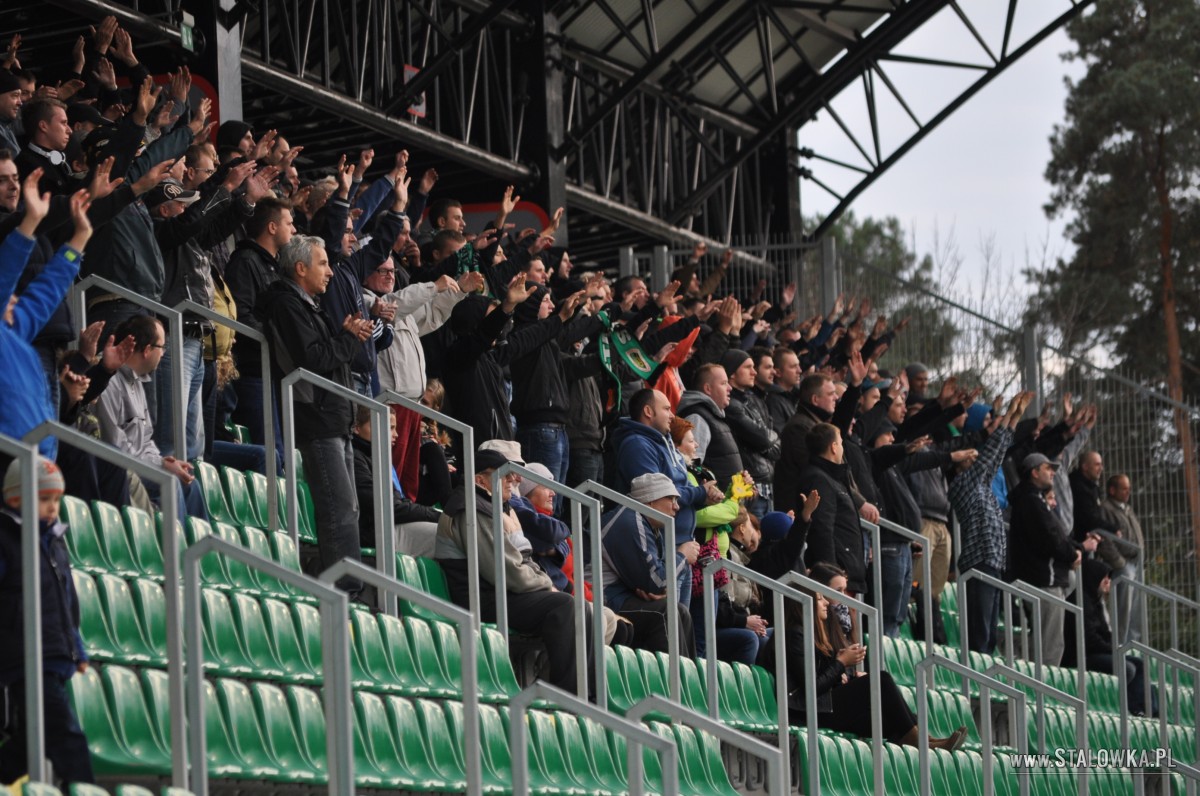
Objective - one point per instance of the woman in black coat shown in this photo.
(844, 696)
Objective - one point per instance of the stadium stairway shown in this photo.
(266, 723)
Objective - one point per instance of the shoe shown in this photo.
(956, 739)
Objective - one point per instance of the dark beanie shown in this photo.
(230, 134)
(733, 360)
(8, 81)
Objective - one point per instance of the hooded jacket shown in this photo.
(722, 454)
(301, 336)
(835, 535)
(420, 310)
(540, 377)
(642, 449)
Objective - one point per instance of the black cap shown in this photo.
(78, 112)
(170, 191)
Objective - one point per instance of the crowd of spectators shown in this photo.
(767, 437)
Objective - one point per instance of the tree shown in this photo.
(1125, 163)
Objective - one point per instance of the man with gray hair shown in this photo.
(636, 566)
(301, 336)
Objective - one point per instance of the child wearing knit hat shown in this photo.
(62, 646)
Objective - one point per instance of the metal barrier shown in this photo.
(777, 774)
(778, 592)
(1176, 661)
(986, 686)
(635, 735)
(170, 546)
(870, 614)
(380, 462)
(335, 660)
(1075, 608)
(174, 318)
(387, 543)
(1175, 600)
(1043, 690)
(26, 457)
(876, 573)
(272, 467)
(669, 546)
(580, 601)
(469, 657)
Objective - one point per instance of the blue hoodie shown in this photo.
(22, 381)
(642, 449)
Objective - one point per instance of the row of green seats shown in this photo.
(240, 498)
(947, 711)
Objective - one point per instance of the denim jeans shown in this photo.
(189, 499)
(329, 465)
(896, 575)
(193, 380)
(66, 745)
(585, 464)
(547, 444)
(741, 644)
(249, 413)
(983, 606)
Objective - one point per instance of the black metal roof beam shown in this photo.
(576, 136)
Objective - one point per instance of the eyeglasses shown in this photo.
(386, 271)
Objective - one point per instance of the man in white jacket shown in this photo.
(415, 311)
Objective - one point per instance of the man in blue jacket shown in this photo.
(643, 446)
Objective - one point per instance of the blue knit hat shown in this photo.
(976, 415)
(774, 526)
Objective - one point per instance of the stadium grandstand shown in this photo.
(447, 396)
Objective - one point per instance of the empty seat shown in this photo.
(256, 542)
(110, 528)
(214, 494)
(143, 542)
(241, 576)
(252, 630)
(237, 711)
(223, 650)
(39, 789)
(126, 633)
(237, 496)
(93, 626)
(109, 755)
(308, 629)
(281, 632)
(150, 603)
(279, 734)
(212, 566)
(135, 724)
(83, 544)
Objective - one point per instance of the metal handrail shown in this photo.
(579, 601)
(1176, 661)
(380, 462)
(777, 773)
(31, 594)
(335, 660)
(170, 545)
(778, 592)
(1174, 598)
(876, 572)
(1075, 608)
(871, 615)
(926, 571)
(986, 686)
(669, 547)
(468, 659)
(174, 318)
(387, 544)
(1044, 690)
(635, 734)
(272, 466)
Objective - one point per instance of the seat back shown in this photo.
(83, 544)
(214, 494)
(127, 636)
(238, 497)
(143, 542)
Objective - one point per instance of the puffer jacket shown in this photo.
(750, 420)
(722, 455)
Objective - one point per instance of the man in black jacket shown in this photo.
(1048, 557)
(301, 336)
(750, 420)
(834, 535)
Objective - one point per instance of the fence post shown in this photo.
(626, 261)
(831, 275)
(1031, 373)
(660, 267)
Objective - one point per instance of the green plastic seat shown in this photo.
(109, 755)
(378, 759)
(83, 544)
(132, 790)
(408, 571)
(370, 667)
(439, 680)
(581, 760)
(212, 566)
(431, 760)
(214, 493)
(224, 759)
(700, 759)
(289, 652)
(619, 700)
(397, 648)
(761, 712)
(256, 542)
(548, 769)
(631, 673)
(110, 528)
(434, 578)
(439, 744)
(252, 629)
(150, 603)
(42, 789)
(257, 487)
(600, 755)
(651, 763)
(123, 626)
(449, 647)
(238, 713)
(307, 619)
(156, 688)
(493, 740)
(495, 649)
(223, 650)
(308, 717)
(130, 713)
(241, 576)
(143, 542)
(652, 671)
(237, 495)
(93, 625)
(307, 514)
(279, 735)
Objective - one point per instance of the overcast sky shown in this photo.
(979, 174)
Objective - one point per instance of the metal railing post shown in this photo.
(272, 466)
(174, 342)
(335, 653)
(170, 546)
(870, 614)
(26, 457)
(577, 499)
(672, 577)
(876, 574)
(469, 657)
(777, 775)
(987, 684)
(385, 526)
(926, 572)
(1075, 608)
(635, 734)
(471, 532)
